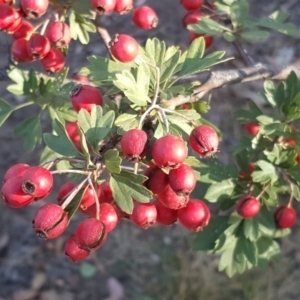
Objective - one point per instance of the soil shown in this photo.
(138, 264)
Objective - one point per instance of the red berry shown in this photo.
(73, 251)
(54, 61)
(145, 17)
(91, 234)
(252, 128)
(19, 51)
(195, 216)
(182, 180)
(16, 170)
(80, 78)
(18, 19)
(50, 221)
(171, 200)
(192, 4)
(165, 215)
(34, 9)
(72, 130)
(204, 140)
(107, 195)
(248, 206)
(25, 31)
(12, 193)
(85, 96)
(64, 190)
(158, 179)
(108, 216)
(285, 216)
(208, 39)
(192, 17)
(59, 34)
(124, 48)
(169, 151)
(297, 159)
(143, 214)
(123, 6)
(135, 144)
(251, 169)
(37, 181)
(103, 6)
(38, 46)
(7, 16)
(88, 199)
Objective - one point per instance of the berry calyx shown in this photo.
(16, 170)
(135, 144)
(169, 151)
(34, 9)
(59, 34)
(195, 215)
(84, 96)
(252, 128)
(165, 215)
(73, 251)
(248, 206)
(50, 221)
(145, 17)
(204, 140)
(285, 216)
(124, 48)
(103, 6)
(123, 6)
(192, 4)
(54, 61)
(143, 214)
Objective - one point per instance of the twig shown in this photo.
(103, 33)
(243, 54)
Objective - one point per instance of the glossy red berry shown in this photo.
(103, 6)
(50, 221)
(158, 179)
(171, 200)
(143, 214)
(34, 9)
(19, 51)
(135, 144)
(37, 181)
(13, 195)
(195, 215)
(182, 180)
(247, 173)
(54, 61)
(192, 4)
(169, 151)
(73, 251)
(207, 39)
(91, 234)
(285, 216)
(84, 96)
(123, 6)
(204, 140)
(248, 206)
(7, 16)
(59, 34)
(72, 131)
(38, 46)
(124, 48)
(108, 216)
(88, 199)
(297, 159)
(18, 19)
(165, 215)
(252, 128)
(16, 170)
(145, 17)
(24, 32)
(106, 193)
(192, 17)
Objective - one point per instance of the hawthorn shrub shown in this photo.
(145, 105)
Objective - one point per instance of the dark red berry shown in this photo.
(182, 180)
(165, 215)
(24, 32)
(134, 144)
(171, 200)
(252, 128)
(103, 6)
(108, 216)
(158, 179)
(54, 61)
(145, 17)
(34, 9)
(192, 17)
(13, 195)
(248, 206)
(207, 39)
(195, 216)
(169, 151)
(72, 130)
(19, 51)
(85, 96)
(123, 6)
(124, 48)
(192, 4)
(37, 181)
(285, 216)
(204, 140)
(143, 214)
(38, 46)
(16, 170)
(91, 234)
(50, 221)
(59, 34)
(73, 251)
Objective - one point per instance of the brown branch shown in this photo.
(103, 32)
(217, 79)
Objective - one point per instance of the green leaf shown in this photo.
(127, 121)
(112, 161)
(238, 12)
(201, 107)
(280, 157)
(60, 142)
(254, 35)
(30, 130)
(5, 110)
(279, 16)
(155, 50)
(18, 77)
(81, 7)
(168, 68)
(205, 240)
(229, 37)
(294, 172)
(251, 229)
(267, 250)
(87, 270)
(127, 186)
(246, 248)
(220, 191)
(267, 174)
(207, 26)
(74, 204)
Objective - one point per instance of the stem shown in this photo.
(55, 161)
(263, 191)
(243, 54)
(286, 178)
(96, 198)
(70, 171)
(23, 105)
(136, 168)
(42, 32)
(146, 113)
(162, 114)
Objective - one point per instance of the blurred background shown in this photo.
(138, 264)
